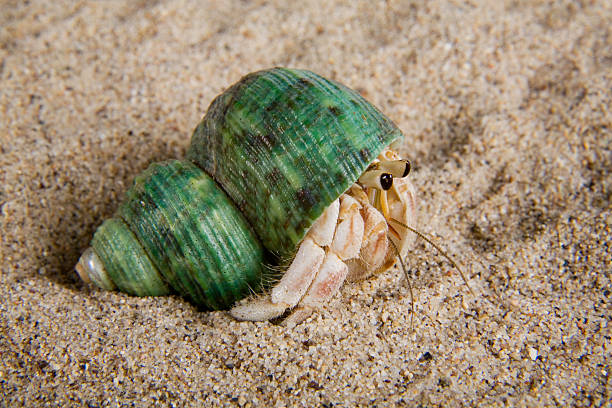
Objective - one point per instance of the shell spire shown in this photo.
(178, 232)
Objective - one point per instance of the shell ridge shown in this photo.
(216, 250)
(183, 264)
(218, 223)
(131, 210)
(230, 270)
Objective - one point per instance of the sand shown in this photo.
(505, 107)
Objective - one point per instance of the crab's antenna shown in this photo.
(407, 281)
(440, 250)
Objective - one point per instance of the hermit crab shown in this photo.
(287, 171)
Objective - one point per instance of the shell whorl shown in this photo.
(284, 144)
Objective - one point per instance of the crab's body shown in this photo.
(349, 241)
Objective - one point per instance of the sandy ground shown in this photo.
(506, 111)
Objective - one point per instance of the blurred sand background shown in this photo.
(505, 106)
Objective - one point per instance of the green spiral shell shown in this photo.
(272, 152)
(284, 144)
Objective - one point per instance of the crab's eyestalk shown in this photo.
(378, 182)
(376, 178)
(397, 168)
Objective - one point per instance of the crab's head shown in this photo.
(386, 188)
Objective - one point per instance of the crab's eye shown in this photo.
(386, 181)
(398, 168)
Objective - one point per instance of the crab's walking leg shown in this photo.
(318, 270)
(345, 245)
(292, 286)
(298, 278)
(374, 249)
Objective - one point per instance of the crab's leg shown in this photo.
(298, 278)
(402, 208)
(289, 290)
(375, 245)
(345, 245)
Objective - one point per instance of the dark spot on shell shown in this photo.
(303, 225)
(304, 83)
(242, 205)
(169, 241)
(274, 177)
(258, 142)
(269, 139)
(273, 106)
(340, 178)
(336, 111)
(293, 105)
(307, 198)
(365, 154)
(301, 164)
